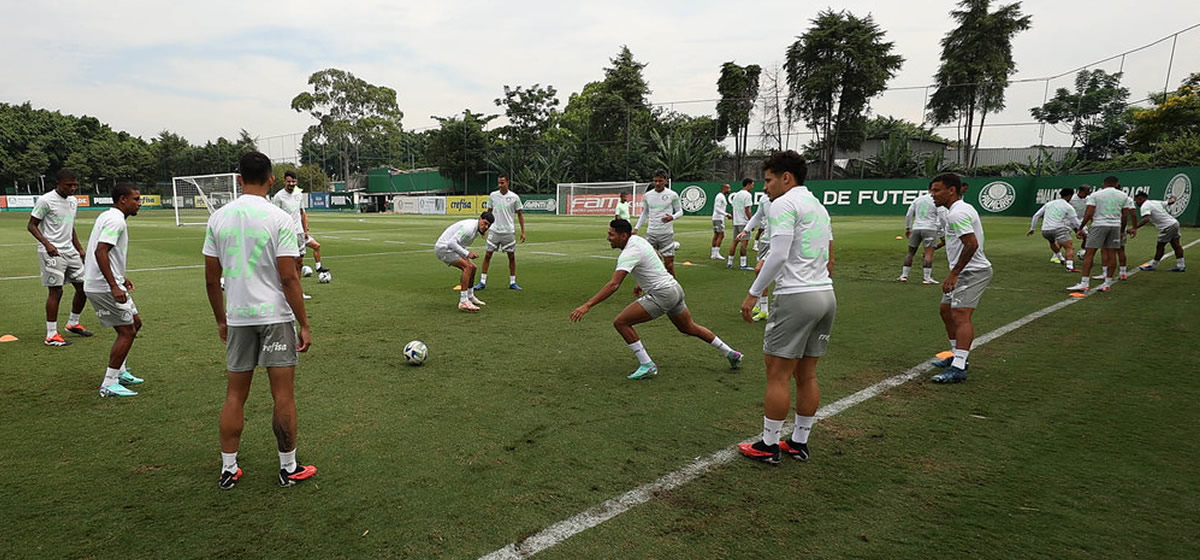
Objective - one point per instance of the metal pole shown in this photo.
(1042, 132)
(1170, 63)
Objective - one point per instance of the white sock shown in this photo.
(110, 376)
(51, 328)
(729, 260)
(123, 366)
(1071, 264)
(73, 319)
(720, 345)
(802, 427)
(462, 296)
(1058, 255)
(470, 293)
(960, 358)
(716, 251)
(287, 460)
(1104, 271)
(1179, 262)
(743, 261)
(1123, 270)
(904, 271)
(763, 301)
(229, 462)
(953, 344)
(928, 273)
(1154, 262)
(483, 278)
(512, 280)
(1086, 280)
(643, 357)
(771, 428)
(319, 264)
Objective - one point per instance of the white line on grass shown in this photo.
(359, 239)
(592, 256)
(580, 522)
(547, 253)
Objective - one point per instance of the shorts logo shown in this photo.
(997, 196)
(52, 279)
(1179, 194)
(824, 337)
(693, 198)
(275, 347)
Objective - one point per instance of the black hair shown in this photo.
(290, 173)
(787, 162)
(950, 180)
(1111, 181)
(64, 175)
(504, 175)
(747, 181)
(661, 173)
(255, 168)
(1142, 194)
(489, 216)
(621, 225)
(122, 190)
(1085, 188)
(1064, 193)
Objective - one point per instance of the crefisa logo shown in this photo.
(997, 196)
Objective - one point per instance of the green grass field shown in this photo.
(1076, 436)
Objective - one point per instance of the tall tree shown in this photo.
(976, 63)
(777, 124)
(738, 87)
(1096, 111)
(833, 71)
(530, 112)
(610, 121)
(349, 112)
(1174, 115)
(460, 146)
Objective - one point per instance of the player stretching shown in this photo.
(1079, 203)
(719, 213)
(1059, 222)
(250, 243)
(741, 202)
(660, 207)
(658, 293)
(52, 224)
(291, 200)
(503, 204)
(1106, 211)
(759, 220)
(1155, 212)
(800, 264)
(970, 273)
(451, 248)
(108, 289)
(922, 227)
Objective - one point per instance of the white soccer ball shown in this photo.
(325, 277)
(415, 352)
(306, 271)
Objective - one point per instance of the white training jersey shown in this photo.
(1159, 216)
(1080, 206)
(58, 219)
(655, 205)
(759, 219)
(961, 220)
(922, 214)
(1055, 215)
(505, 207)
(110, 228)
(459, 236)
(740, 201)
(720, 203)
(1109, 203)
(292, 204)
(802, 232)
(641, 260)
(247, 235)
(623, 211)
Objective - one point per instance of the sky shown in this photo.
(209, 69)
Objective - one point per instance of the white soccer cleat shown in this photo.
(930, 282)
(476, 301)
(467, 306)
(1080, 287)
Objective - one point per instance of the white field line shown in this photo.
(359, 239)
(606, 257)
(547, 253)
(580, 522)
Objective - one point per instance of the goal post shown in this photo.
(598, 199)
(195, 197)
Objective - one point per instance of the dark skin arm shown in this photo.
(51, 250)
(102, 250)
(212, 287)
(970, 245)
(290, 278)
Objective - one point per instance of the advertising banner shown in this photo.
(431, 204)
(406, 205)
(465, 205)
(341, 201)
(318, 200)
(150, 201)
(21, 201)
(84, 200)
(539, 203)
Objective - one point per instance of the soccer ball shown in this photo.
(415, 352)
(306, 271)
(325, 277)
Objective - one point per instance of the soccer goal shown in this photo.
(196, 197)
(598, 199)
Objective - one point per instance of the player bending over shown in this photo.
(1059, 222)
(1155, 212)
(451, 248)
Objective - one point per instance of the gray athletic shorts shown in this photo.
(662, 242)
(1060, 235)
(737, 228)
(1104, 237)
(302, 240)
(661, 301)
(271, 345)
(109, 312)
(968, 290)
(919, 237)
(800, 324)
(66, 268)
(447, 256)
(1168, 234)
(498, 241)
(718, 226)
(764, 249)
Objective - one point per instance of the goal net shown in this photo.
(599, 199)
(196, 197)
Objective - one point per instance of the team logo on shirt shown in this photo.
(997, 196)
(1179, 194)
(693, 198)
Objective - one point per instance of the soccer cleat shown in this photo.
(302, 473)
(717, 258)
(306, 296)
(1123, 276)
(735, 359)
(57, 340)
(78, 329)
(951, 375)
(747, 268)
(127, 379)
(758, 316)
(943, 362)
(480, 286)
(229, 479)
(116, 390)
(760, 452)
(1177, 269)
(728, 264)
(755, 309)
(797, 451)
(1075, 270)
(902, 279)
(644, 371)
(515, 286)
(1100, 276)
(475, 300)
(674, 245)
(1055, 260)
(1148, 267)
(322, 269)
(467, 306)
(1105, 287)
(930, 282)
(1080, 287)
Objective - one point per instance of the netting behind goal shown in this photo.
(196, 197)
(598, 199)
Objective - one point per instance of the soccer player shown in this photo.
(623, 207)
(504, 204)
(1155, 212)
(970, 273)
(52, 224)
(658, 293)
(291, 200)
(1107, 214)
(1079, 203)
(1059, 222)
(720, 203)
(451, 248)
(922, 225)
(741, 202)
(108, 289)
(661, 207)
(800, 264)
(759, 220)
(250, 242)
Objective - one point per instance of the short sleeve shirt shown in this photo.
(293, 204)
(1159, 216)
(1058, 214)
(505, 208)
(58, 219)
(962, 220)
(641, 261)
(247, 235)
(623, 210)
(925, 214)
(110, 228)
(1109, 203)
(740, 201)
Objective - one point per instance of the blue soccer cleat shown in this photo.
(514, 286)
(480, 286)
(116, 390)
(951, 375)
(644, 371)
(127, 379)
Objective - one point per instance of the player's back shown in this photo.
(925, 214)
(247, 236)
